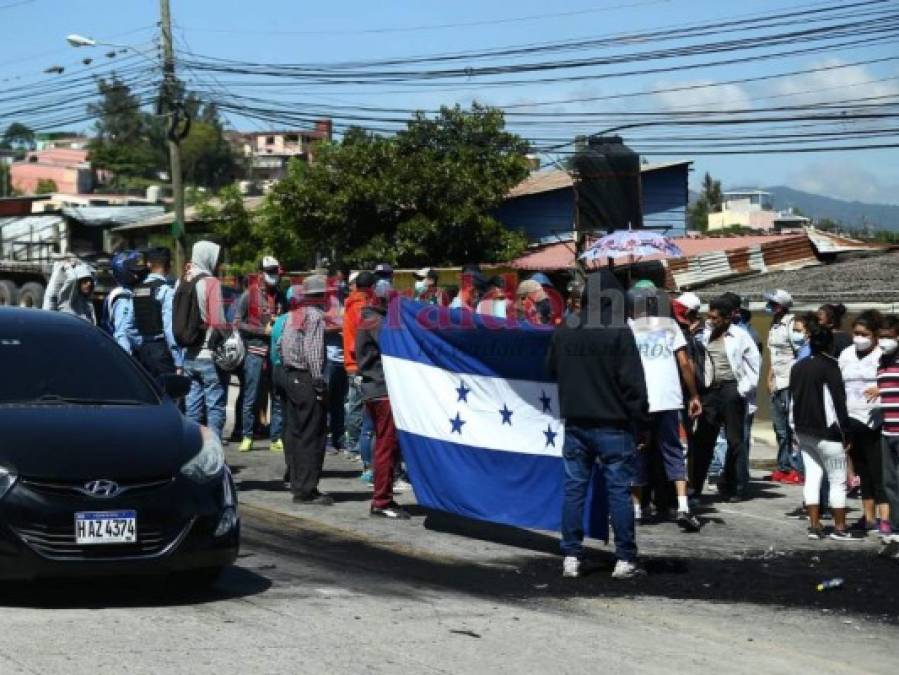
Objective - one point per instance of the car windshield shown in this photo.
(55, 364)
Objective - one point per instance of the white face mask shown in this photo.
(270, 279)
(421, 286)
(888, 345)
(798, 338)
(862, 344)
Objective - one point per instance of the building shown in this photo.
(60, 140)
(267, 153)
(543, 205)
(753, 209)
(68, 168)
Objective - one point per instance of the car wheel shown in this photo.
(31, 295)
(199, 578)
(8, 293)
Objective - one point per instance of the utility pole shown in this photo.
(171, 101)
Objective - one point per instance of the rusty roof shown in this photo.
(557, 179)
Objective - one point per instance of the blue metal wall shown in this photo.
(545, 215)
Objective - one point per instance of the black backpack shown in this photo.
(187, 323)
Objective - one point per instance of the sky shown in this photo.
(32, 36)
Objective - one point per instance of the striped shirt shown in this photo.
(888, 383)
(303, 341)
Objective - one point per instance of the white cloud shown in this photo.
(842, 180)
(704, 95)
(836, 84)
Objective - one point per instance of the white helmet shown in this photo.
(230, 354)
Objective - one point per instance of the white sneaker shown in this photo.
(627, 570)
(571, 567)
(401, 486)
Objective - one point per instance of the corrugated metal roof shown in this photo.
(112, 215)
(191, 215)
(556, 179)
(827, 242)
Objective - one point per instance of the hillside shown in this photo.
(851, 214)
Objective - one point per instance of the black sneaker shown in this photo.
(318, 499)
(392, 510)
(844, 535)
(797, 514)
(688, 522)
(816, 533)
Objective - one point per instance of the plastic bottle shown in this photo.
(831, 584)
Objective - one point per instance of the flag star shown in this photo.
(550, 436)
(546, 401)
(463, 391)
(457, 424)
(507, 415)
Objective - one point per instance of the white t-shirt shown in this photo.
(658, 339)
(859, 375)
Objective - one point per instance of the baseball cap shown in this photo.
(159, 254)
(383, 270)
(779, 297)
(315, 284)
(365, 279)
(269, 262)
(690, 300)
(353, 277)
(425, 273)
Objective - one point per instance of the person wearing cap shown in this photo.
(302, 350)
(474, 285)
(425, 284)
(384, 271)
(532, 304)
(783, 356)
(152, 301)
(257, 308)
(377, 402)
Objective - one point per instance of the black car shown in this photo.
(99, 471)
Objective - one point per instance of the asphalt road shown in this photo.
(308, 599)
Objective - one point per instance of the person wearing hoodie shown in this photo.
(257, 309)
(377, 401)
(70, 289)
(209, 384)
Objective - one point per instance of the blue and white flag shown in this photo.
(478, 418)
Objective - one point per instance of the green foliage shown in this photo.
(206, 157)
(46, 186)
(709, 202)
(18, 136)
(423, 196)
(734, 230)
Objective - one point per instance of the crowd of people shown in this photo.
(664, 403)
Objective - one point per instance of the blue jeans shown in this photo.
(253, 372)
(336, 379)
(366, 438)
(353, 415)
(614, 450)
(787, 460)
(208, 393)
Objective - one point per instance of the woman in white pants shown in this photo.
(820, 420)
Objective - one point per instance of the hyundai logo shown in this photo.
(101, 488)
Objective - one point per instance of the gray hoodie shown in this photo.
(63, 294)
(204, 257)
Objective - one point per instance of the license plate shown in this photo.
(106, 527)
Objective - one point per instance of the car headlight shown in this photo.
(208, 463)
(7, 479)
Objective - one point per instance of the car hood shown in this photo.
(74, 443)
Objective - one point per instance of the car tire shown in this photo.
(31, 295)
(9, 294)
(201, 578)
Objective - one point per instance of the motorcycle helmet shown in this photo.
(129, 268)
(230, 353)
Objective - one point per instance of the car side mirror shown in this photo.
(175, 386)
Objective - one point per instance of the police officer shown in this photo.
(152, 300)
(129, 269)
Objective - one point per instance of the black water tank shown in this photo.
(607, 184)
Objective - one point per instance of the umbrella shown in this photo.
(632, 243)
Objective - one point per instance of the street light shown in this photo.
(76, 40)
(80, 41)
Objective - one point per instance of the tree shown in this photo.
(18, 136)
(46, 186)
(710, 201)
(122, 142)
(424, 196)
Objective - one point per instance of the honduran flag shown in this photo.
(478, 417)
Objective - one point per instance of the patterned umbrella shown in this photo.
(632, 243)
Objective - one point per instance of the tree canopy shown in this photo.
(423, 196)
(709, 202)
(18, 136)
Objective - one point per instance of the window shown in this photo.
(269, 140)
(292, 138)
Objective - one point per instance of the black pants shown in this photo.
(155, 356)
(721, 405)
(305, 433)
(867, 460)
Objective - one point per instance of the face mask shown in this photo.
(421, 286)
(862, 344)
(798, 338)
(770, 308)
(888, 345)
(270, 279)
